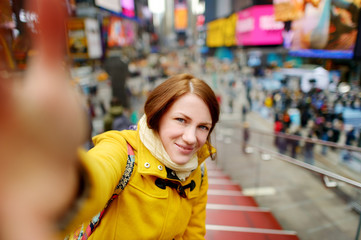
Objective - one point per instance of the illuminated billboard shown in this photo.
(180, 16)
(215, 37)
(121, 32)
(326, 30)
(257, 26)
(127, 8)
(229, 30)
(83, 38)
(221, 32)
(288, 10)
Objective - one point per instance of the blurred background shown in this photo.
(287, 75)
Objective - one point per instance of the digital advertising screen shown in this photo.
(180, 16)
(327, 29)
(288, 10)
(127, 7)
(121, 32)
(222, 32)
(229, 30)
(215, 37)
(76, 38)
(93, 37)
(257, 26)
(116, 32)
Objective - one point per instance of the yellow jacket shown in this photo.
(143, 210)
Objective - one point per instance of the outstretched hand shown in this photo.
(42, 124)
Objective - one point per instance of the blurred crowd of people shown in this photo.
(317, 114)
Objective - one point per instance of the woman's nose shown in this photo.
(189, 135)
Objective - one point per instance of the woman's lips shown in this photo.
(185, 150)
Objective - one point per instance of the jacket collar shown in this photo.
(147, 164)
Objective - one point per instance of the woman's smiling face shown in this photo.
(184, 128)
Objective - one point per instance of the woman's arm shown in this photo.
(40, 135)
(42, 124)
(103, 167)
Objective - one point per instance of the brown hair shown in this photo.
(163, 96)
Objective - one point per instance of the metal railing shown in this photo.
(353, 179)
(335, 174)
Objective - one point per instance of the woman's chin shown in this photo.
(181, 160)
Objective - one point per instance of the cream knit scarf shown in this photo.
(152, 142)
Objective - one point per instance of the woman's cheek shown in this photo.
(202, 138)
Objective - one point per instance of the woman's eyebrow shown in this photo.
(188, 118)
(206, 123)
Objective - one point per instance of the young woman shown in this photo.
(166, 195)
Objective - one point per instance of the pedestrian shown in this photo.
(246, 136)
(116, 66)
(308, 149)
(326, 136)
(244, 113)
(286, 120)
(116, 119)
(277, 127)
(282, 142)
(350, 139)
(350, 136)
(295, 143)
(336, 132)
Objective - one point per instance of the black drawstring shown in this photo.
(163, 183)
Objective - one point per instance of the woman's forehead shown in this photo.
(191, 104)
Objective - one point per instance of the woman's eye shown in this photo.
(204, 128)
(180, 120)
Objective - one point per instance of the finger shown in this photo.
(49, 39)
